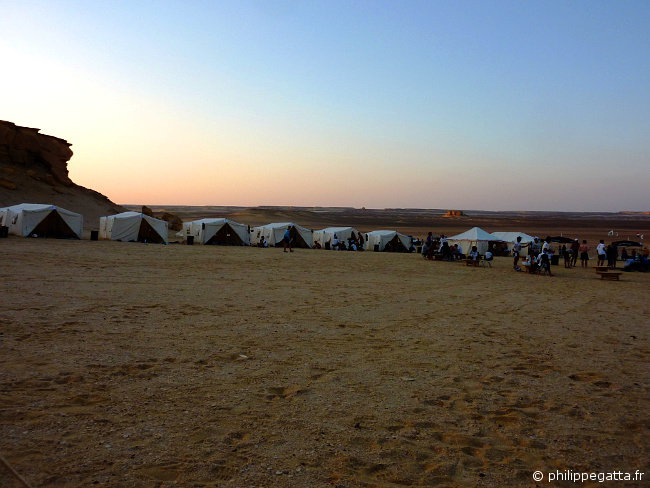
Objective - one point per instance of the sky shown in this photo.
(491, 105)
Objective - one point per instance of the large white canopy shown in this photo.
(473, 237)
(132, 226)
(216, 231)
(39, 219)
(327, 234)
(511, 237)
(381, 238)
(274, 232)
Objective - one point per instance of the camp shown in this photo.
(273, 233)
(39, 220)
(216, 231)
(511, 237)
(133, 226)
(325, 236)
(387, 240)
(473, 237)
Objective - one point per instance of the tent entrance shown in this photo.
(395, 245)
(54, 226)
(297, 240)
(226, 236)
(148, 233)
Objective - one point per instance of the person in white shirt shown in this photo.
(544, 262)
(443, 240)
(602, 253)
(473, 254)
(335, 242)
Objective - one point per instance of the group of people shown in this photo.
(539, 254)
(432, 247)
(353, 243)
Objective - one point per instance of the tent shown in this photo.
(273, 233)
(342, 233)
(626, 244)
(387, 240)
(39, 220)
(133, 226)
(511, 237)
(473, 237)
(216, 231)
(562, 240)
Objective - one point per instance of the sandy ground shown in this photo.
(132, 365)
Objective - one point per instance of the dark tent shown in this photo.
(561, 240)
(627, 244)
(54, 226)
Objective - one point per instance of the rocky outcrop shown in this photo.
(175, 222)
(24, 146)
(454, 213)
(34, 169)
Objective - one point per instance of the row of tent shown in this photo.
(30, 219)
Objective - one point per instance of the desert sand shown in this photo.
(133, 365)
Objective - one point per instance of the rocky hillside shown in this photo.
(34, 169)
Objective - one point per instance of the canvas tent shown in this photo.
(35, 219)
(511, 237)
(273, 233)
(562, 240)
(131, 227)
(626, 244)
(216, 231)
(327, 235)
(387, 240)
(473, 237)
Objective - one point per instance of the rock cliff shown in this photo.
(34, 169)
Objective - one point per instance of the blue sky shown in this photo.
(483, 105)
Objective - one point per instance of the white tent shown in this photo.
(511, 237)
(387, 240)
(273, 233)
(133, 226)
(327, 235)
(473, 237)
(35, 219)
(216, 231)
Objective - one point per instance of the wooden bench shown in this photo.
(610, 275)
(601, 269)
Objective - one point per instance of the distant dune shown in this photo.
(417, 222)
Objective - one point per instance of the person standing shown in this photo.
(516, 251)
(575, 249)
(612, 256)
(535, 247)
(584, 253)
(602, 253)
(566, 254)
(286, 239)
